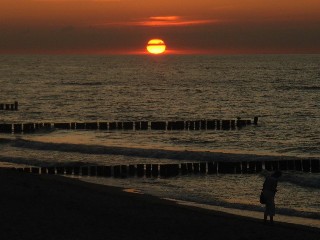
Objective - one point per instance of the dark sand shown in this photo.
(53, 207)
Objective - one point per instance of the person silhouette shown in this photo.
(269, 191)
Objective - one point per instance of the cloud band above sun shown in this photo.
(164, 21)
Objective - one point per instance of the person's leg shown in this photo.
(265, 217)
(271, 219)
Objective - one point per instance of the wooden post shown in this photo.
(158, 125)
(203, 124)
(203, 167)
(291, 165)
(112, 126)
(17, 128)
(43, 170)
(155, 170)
(233, 124)
(211, 125)
(184, 169)
(196, 169)
(283, 165)
(315, 166)
(240, 123)
(117, 171)
(244, 167)
(218, 124)
(252, 167)
(148, 170)
(99, 171)
(80, 126)
(60, 170)
(47, 125)
(173, 170)
(298, 165)
(163, 170)
(35, 170)
(137, 126)
(69, 170)
(212, 168)
(124, 171)
(132, 170)
(76, 171)
(268, 166)
(258, 166)
(84, 171)
(225, 124)
(306, 165)
(119, 125)
(6, 128)
(275, 165)
(28, 127)
(103, 125)
(93, 171)
(226, 167)
(62, 125)
(197, 125)
(189, 167)
(238, 167)
(51, 170)
(144, 125)
(107, 171)
(16, 105)
(140, 170)
(92, 125)
(128, 125)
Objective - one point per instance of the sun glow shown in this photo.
(156, 46)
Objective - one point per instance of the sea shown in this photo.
(282, 90)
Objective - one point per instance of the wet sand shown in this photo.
(54, 207)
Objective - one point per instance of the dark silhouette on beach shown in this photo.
(269, 191)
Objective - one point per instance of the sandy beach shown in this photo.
(54, 207)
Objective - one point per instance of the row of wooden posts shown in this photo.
(138, 125)
(172, 170)
(9, 106)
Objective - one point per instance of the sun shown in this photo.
(156, 46)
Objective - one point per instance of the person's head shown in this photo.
(277, 174)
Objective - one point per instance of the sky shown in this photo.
(186, 26)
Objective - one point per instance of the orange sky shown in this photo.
(193, 26)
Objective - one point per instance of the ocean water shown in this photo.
(283, 90)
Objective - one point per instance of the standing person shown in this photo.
(269, 192)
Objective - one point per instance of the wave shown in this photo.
(298, 178)
(307, 88)
(303, 180)
(83, 83)
(142, 152)
(41, 163)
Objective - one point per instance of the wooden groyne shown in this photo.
(9, 106)
(190, 125)
(173, 170)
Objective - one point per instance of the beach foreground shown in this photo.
(54, 207)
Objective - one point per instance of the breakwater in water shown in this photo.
(9, 106)
(172, 170)
(192, 125)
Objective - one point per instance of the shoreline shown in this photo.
(56, 207)
(309, 222)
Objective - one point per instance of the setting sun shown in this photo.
(156, 46)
